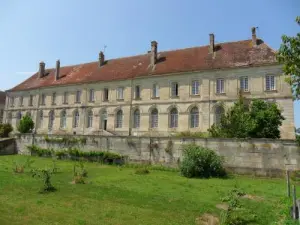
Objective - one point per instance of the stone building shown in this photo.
(2, 105)
(156, 93)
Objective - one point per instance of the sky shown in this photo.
(74, 31)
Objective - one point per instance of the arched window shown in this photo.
(40, 119)
(136, 118)
(173, 118)
(154, 118)
(89, 123)
(219, 111)
(63, 119)
(76, 119)
(194, 117)
(119, 119)
(51, 120)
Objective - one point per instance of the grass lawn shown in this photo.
(118, 196)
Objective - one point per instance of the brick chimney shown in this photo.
(41, 69)
(211, 43)
(101, 59)
(153, 58)
(57, 70)
(254, 39)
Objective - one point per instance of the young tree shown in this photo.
(26, 124)
(289, 55)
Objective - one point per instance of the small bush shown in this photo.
(5, 129)
(142, 171)
(201, 162)
(80, 173)
(26, 124)
(19, 166)
(45, 175)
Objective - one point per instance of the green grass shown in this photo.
(115, 196)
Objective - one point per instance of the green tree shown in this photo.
(26, 124)
(289, 55)
(259, 119)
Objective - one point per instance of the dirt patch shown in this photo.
(207, 219)
(253, 197)
(222, 206)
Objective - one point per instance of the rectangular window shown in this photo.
(105, 94)
(65, 98)
(21, 100)
(220, 86)
(244, 84)
(120, 93)
(174, 89)
(92, 95)
(195, 87)
(53, 98)
(155, 91)
(270, 83)
(78, 96)
(12, 101)
(30, 100)
(137, 92)
(43, 99)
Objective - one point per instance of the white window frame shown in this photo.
(119, 119)
(270, 88)
(154, 118)
(173, 118)
(194, 118)
(155, 90)
(63, 120)
(76, 119)
(120, 93)
(244, 83)
(195, 87)
(220, 89)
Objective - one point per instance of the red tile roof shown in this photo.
(227, 55)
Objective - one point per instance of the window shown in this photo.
(63, 119)
(244, 84)
(136, 118)
(19, 117)
(43, 99)
(51, 120)
(270, 83)
(65, 98)
(21, 101)
(155, 91)
(154, 118)
(78, 96)
(30, 100)
(53, 98)
(194, 117)
(41, 117)
(119, 119)
(9, 117)
(174, 89)
(137, 92)
(89, 119)
(120, 92)
(105, 94)
(195, 87)
(91, 95)
(173, 118)
(76, 119)
(12, 101)
(220, 86)
(219, 111)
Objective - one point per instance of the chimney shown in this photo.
(211, 43)
(254, 40)
(101, 59)
(153, 52)
(42, 69)
(57, 70)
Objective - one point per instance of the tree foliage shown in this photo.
(5, 129)
(259, 119)
(289, 55)
(26, 124)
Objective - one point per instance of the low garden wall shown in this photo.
(256, 156)
(7, 146)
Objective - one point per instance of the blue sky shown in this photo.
(75, 31)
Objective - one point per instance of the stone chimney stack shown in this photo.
(101, 59)
(57, 70)
(254, 39)
(42, 69)
(211, 43)
(153, 53)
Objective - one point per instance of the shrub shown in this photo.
(26, 124)
(298, 140)
(80, 173)
(5, 129)
(142, 171)
(19, 166)
(45, 175)
(184, 134)
(201, 162)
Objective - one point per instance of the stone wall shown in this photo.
(255, 156)
(7, 146)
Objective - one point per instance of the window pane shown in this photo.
(173, 118)
(137, 92)
(194, 117)
(195, 87)
(119, 119)
(154, 118)
(136, 119)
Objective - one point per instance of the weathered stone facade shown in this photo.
(205, 101)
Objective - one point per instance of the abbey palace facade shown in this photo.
(157, 93)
